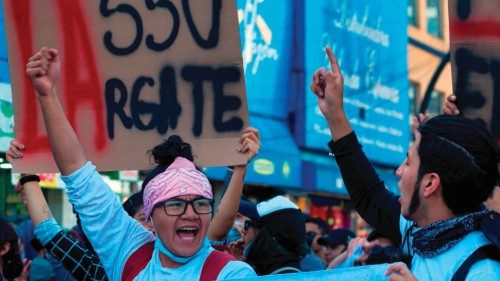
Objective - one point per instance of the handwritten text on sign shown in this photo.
(475, 59)
(132, 73)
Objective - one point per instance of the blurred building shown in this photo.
(428, 44)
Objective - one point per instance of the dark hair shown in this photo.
(133, 203)
(323, 226)
(379, 255)
(165, 154)
(462, 152)
(36, 244)
(12, 265)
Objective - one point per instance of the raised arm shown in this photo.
(96, 203)
(228, 207)
(43, 69)
(29, 189)
(379, 207)
(328, 86)
(76, 258)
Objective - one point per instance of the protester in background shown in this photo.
(275, 237)
(250, 224)
(384, 250)
(449, 171)
(177, 200)
(336, 243)
(315, 228)
(11, 264)
(134, 206)
(71, 257)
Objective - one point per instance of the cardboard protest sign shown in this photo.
(133, 73)
(475, 60)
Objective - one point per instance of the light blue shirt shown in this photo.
(115, 235)
(444, 265)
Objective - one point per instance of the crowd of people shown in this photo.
(438, 228)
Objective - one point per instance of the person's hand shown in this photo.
(399, 272)
(237, 248)
(250, 143)
(25, 274)
(353, 243)
(328, 86)
(15, 150)
(450, 107)
(365, 246)
(43, 69)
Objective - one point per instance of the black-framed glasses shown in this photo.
(177, 207)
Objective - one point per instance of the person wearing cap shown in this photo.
(177, 200)
(336, 242)
(274, 236)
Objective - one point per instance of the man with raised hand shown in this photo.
(449, 171)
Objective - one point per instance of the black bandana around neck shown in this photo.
(439, 236)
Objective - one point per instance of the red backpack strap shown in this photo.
(213, 265)
(137, 261)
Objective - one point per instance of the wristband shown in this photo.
(28, 178)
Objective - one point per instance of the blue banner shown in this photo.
(370, 272)
(266, 30)
(369, 39)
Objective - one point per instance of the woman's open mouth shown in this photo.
(187, 232)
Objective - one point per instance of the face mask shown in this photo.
(178, 259)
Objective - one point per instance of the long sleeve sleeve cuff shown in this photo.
(344, 145)
(46, 230)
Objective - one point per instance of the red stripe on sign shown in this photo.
(82, 83)
(30, 134)
(475, 29)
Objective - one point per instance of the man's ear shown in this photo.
(431, 184)
(5, 248)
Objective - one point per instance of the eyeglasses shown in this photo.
(177, 207)
(248, 224)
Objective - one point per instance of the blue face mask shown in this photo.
(178, 259)
(233, 235)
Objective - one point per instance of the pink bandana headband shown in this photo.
(180, 178)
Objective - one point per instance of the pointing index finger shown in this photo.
(333, 61)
